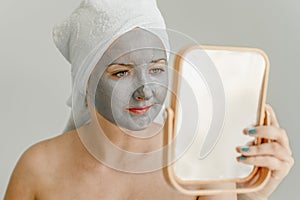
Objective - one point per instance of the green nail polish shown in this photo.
(243, 158)
(245, 149)
(252, 131)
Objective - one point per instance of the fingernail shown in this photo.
(245, 149)
(242, 158)
(252, 131)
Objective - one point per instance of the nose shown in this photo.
(143, 93)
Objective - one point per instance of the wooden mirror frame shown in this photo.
(214, 186)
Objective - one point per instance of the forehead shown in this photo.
(137, 46)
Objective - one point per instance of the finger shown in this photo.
(269, 132)
(270, 162)
(266, 149)
(273, 118)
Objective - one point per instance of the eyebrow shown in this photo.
(158, 60)
(132, 65)
(122, 64)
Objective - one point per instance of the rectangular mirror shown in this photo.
(218, 92)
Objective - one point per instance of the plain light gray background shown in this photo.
(35, 78)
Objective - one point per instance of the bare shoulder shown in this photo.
(37, 164)
(44, 155)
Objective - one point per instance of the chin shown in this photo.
(136, 127)
(138, 124)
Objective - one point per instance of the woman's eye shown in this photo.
(121, 74)
(156, 70)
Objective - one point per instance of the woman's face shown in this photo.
(132, 89)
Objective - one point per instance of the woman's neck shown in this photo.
(121, 149)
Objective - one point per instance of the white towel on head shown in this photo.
(84, 36)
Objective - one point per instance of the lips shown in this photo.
(139, 111)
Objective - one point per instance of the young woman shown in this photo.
(126, 87)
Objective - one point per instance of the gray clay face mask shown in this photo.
(133, 87)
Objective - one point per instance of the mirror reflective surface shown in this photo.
(220, 92)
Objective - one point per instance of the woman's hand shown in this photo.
(276, 155)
